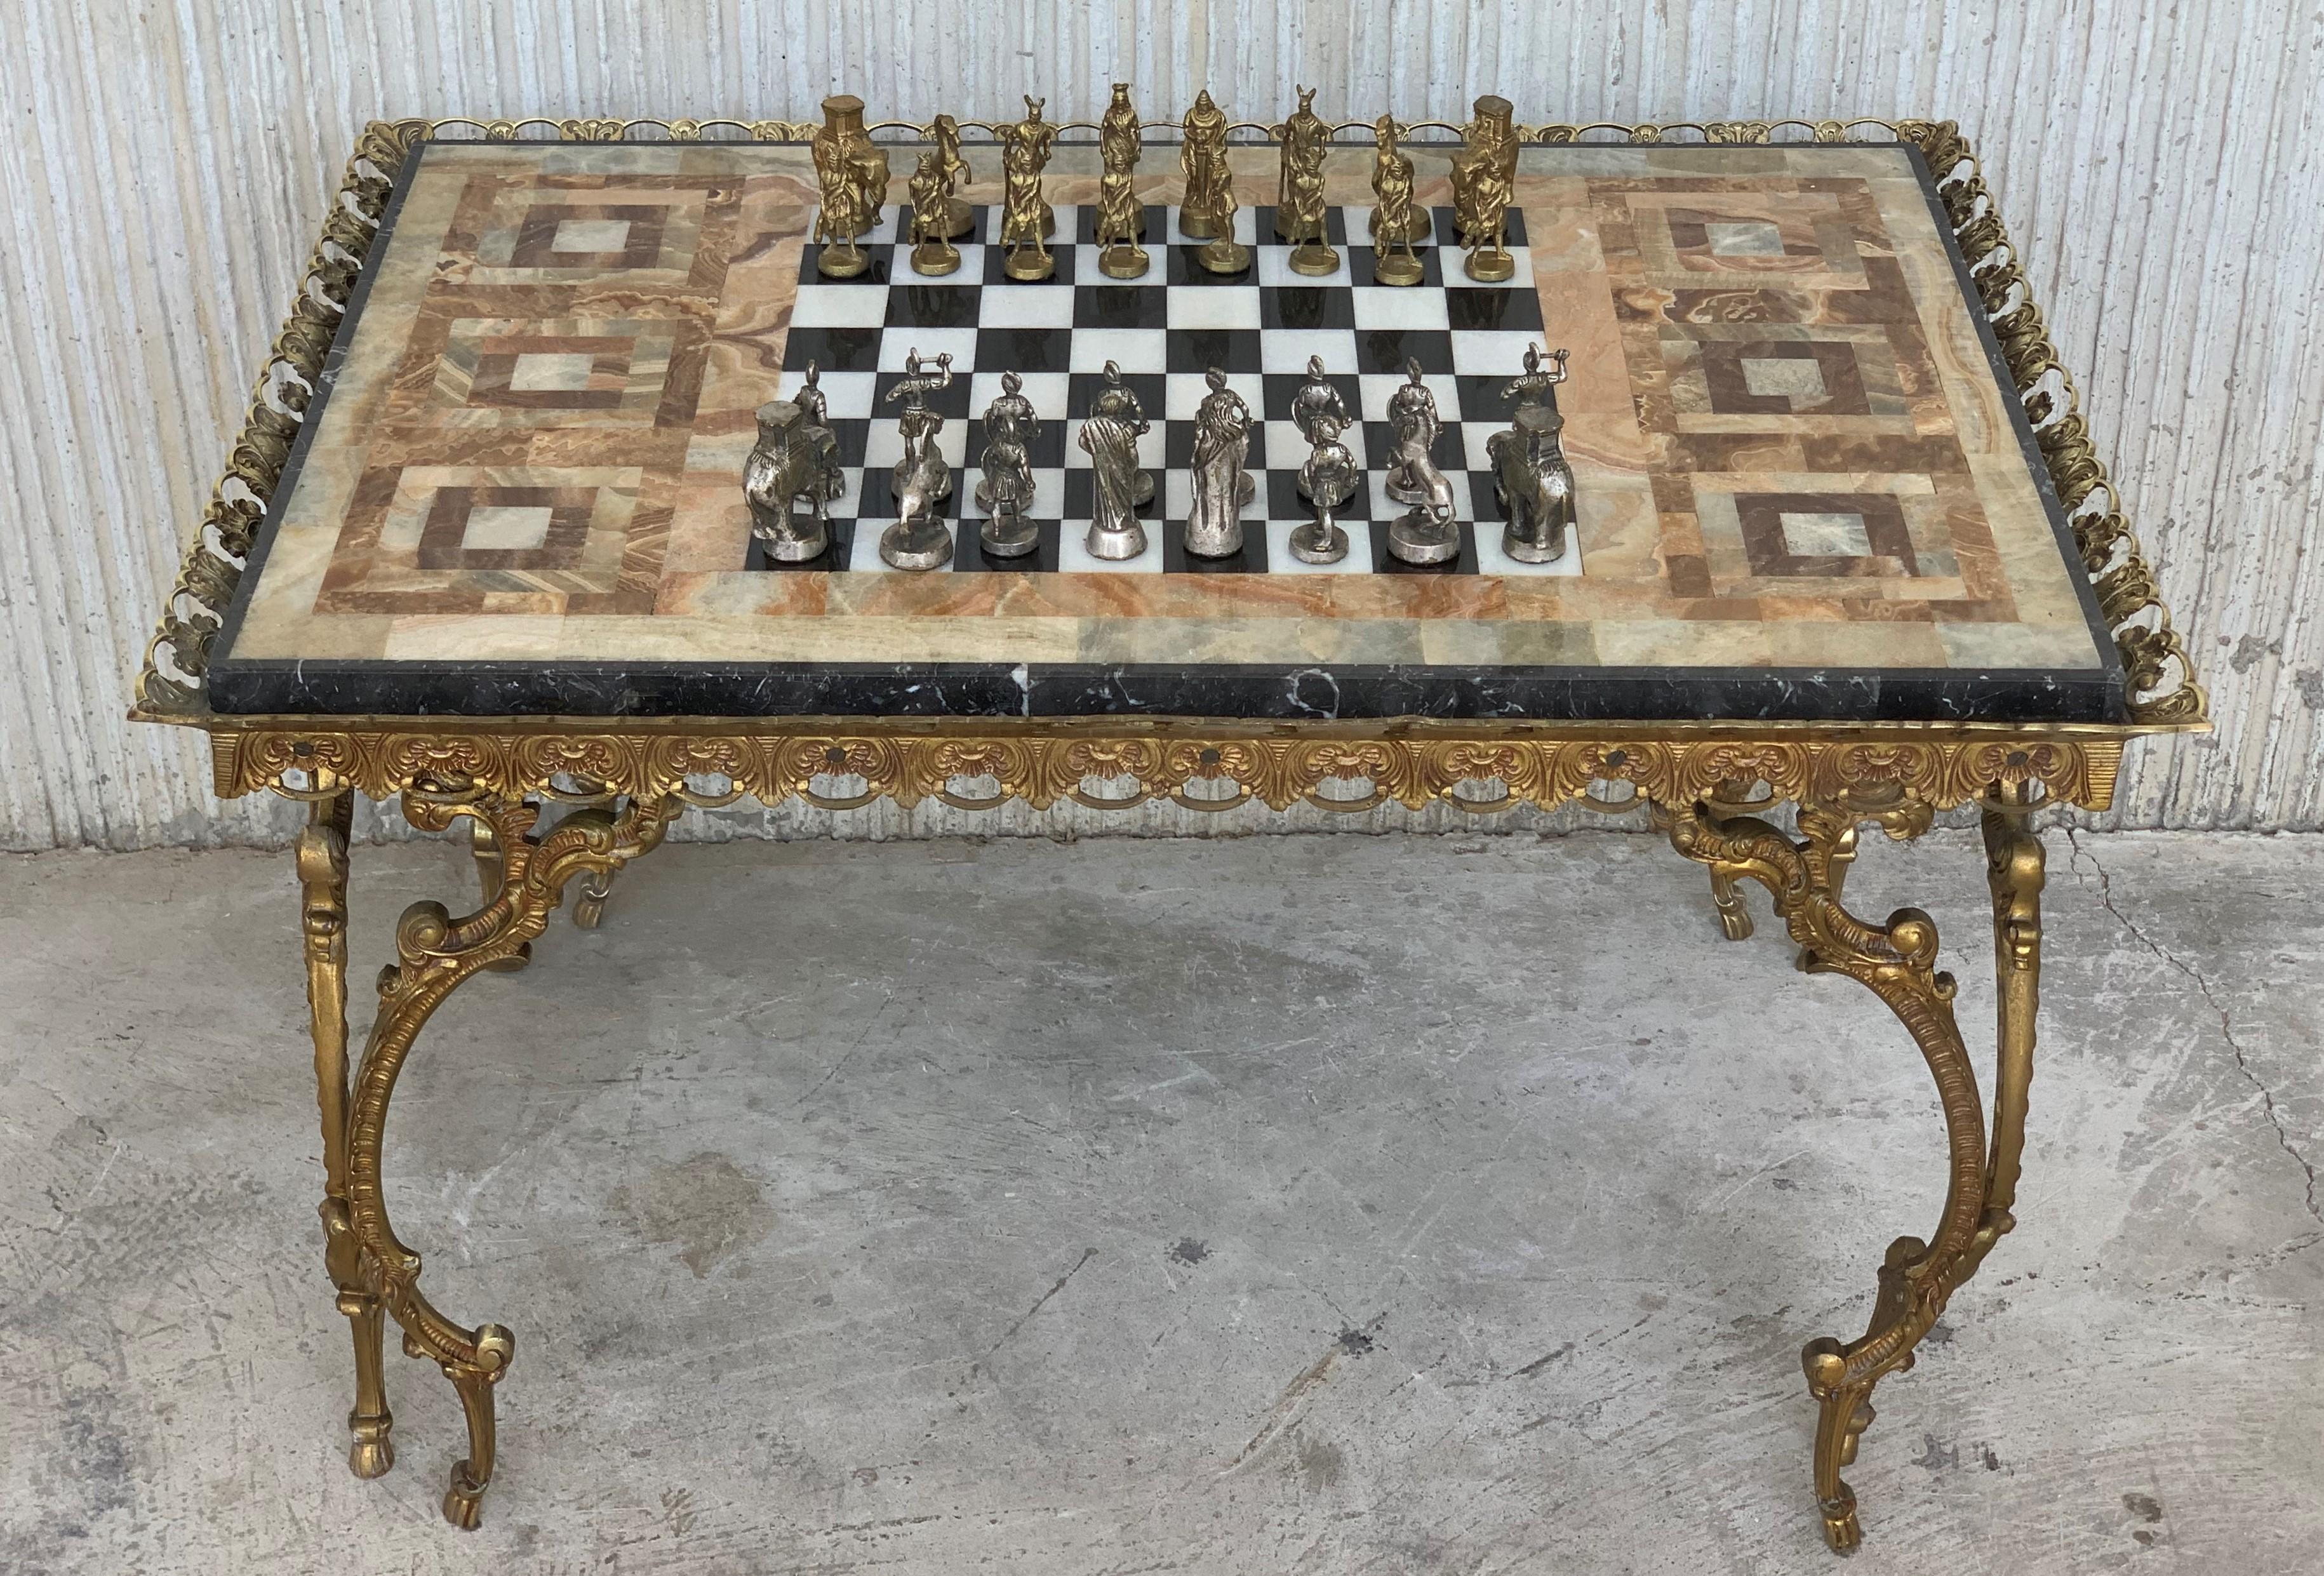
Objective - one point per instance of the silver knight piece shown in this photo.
(1317, 397)
(797, 456)
(1328, 479)
(923, 481)
(1006, 493)
(1530, 475)
(1425, 533)
(1221, 484)
(1109, 437)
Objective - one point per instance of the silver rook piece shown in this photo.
(923, 481)
(797, 456)
(1222, 440)
(1530, 475)
(1006, 490)
(1109, 437)
(1425, 533)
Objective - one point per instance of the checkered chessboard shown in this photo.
(1164, 330)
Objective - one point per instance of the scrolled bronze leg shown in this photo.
(589, 903)
(435, 953)
(485, 848)
(322, 853)
(1895, 961)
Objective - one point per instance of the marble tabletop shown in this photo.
(1806, 489)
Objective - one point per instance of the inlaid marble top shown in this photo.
(1806, 489)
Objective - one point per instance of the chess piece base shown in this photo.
(1198, 225)
(1401, 492)
(1246, 489)
(1223, 255)
(1531, 552)
(1225, 545)
(922, 545)
(1009, 537)
(1123, 262)
(1314, 259)
(959, 219)
(1030, 264)
(936, 258)
(1317, 543)
(841, 261)
(1415, 538)
(1414, 230)
(1493, 267)
(1396, 268)
(797, 549)
(1141, 491)
(1114, 546)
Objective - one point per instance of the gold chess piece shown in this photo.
(933, 252)
(1025, 219)
(852, 172)
(1484, 183)
(1207, 210)
(960, 219)
(1393, 261)
(1121, 221)
(1299, 210)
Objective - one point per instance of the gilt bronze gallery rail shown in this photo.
(620, 782)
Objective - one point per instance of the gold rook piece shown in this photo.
(959, 218)
(1394, 219)
(1025, 218)
(1121, 221)
(1484, 182)
(1299, 211)
(933, 252)
(1207, 210)
(852, 173)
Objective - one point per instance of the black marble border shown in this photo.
(1275, 692)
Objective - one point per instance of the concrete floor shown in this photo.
(1307, 1204)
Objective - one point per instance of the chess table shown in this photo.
(1843, 544)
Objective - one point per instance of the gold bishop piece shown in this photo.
(1300, 214)
(1025, 219)
(1395, 220)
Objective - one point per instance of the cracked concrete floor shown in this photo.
(1334, 1203)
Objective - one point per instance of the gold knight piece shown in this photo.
(1025, 218)
(1121, 221)
(1484, 184)
(959, 218)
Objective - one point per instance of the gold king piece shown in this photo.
(1484, 183)
(1121, 221)
(1025, 219)
(852, 172)
(1299, 210)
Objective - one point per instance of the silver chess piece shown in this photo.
(1412, 414)
(923, 481)
(1426, 533)
(1530, 473)
(797, 456)
(1006, 490)
(1317, 397)
(1109, 437)
(1221, 484)
(1328, 479)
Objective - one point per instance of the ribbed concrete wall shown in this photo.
(165, 166)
